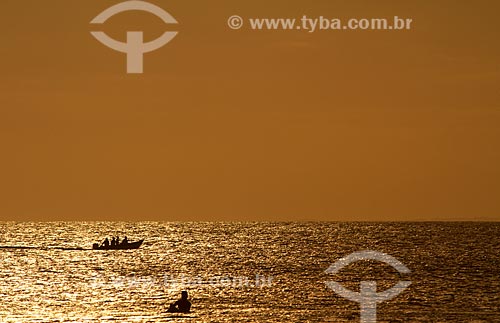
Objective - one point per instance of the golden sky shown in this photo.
(251, 125)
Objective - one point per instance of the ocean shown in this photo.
(246, 272)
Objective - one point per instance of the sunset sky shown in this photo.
(251, 125)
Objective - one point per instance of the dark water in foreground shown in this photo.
(246, 272)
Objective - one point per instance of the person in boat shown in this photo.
(125, 241)
(113, 241)
(117, 241)
(183, 305)
(105, 242)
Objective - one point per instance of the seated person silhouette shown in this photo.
(183, 305)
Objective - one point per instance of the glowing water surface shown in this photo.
(245, 272)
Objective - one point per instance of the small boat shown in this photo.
(121, 246)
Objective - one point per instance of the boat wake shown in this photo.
(42, 248)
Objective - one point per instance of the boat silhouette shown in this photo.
(121, 246)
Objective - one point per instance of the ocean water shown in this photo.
(246, 272)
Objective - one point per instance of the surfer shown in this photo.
(183, 305)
